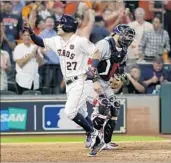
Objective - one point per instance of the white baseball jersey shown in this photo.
(73, 54)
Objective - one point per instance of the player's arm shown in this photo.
(101, 47)
(87, 30)
(89, 49)
(47, 43)
(36, 39)
(87, 22)
(92, 73)
(93, 62)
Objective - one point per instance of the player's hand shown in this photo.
(97, 87)
(90, 73)
(27, 27)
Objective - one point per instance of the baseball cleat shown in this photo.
(100, 147)
(94, 135)
(114, 145)
(111, 146)
(92, 153)
(96, 149)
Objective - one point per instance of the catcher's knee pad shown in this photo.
(104, 110)
(115, 107)
(108, 129)
(114, 112)
(98, 123)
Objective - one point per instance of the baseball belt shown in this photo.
(71, 80)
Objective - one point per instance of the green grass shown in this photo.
(29, 139)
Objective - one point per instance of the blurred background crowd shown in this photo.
(23, 67)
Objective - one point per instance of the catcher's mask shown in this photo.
(126, 35)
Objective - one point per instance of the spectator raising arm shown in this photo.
(111, 16)
(152, 7)
(11, 44)
(4, 37)
(114, 24)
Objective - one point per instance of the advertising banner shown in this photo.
(13, 118)
(43, 117)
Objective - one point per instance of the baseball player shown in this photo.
(113, 50)
(73, 52)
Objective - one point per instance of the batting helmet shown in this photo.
(69, 24)
(126, 34)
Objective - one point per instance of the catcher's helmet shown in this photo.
(126, 34)
(69, 24)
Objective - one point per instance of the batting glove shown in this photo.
(91, 73)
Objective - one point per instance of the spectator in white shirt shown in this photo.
(140, 26)
(27, 59)
(5, 67)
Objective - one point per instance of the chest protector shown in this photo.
(108, 67)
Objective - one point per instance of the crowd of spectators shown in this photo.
(28, 67)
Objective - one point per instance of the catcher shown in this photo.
(113, 50)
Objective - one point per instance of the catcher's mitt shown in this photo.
(118, 80)
(115, 83)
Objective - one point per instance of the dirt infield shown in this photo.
(75, 152)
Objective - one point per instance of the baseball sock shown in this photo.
(80, 120)
(90, 123)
